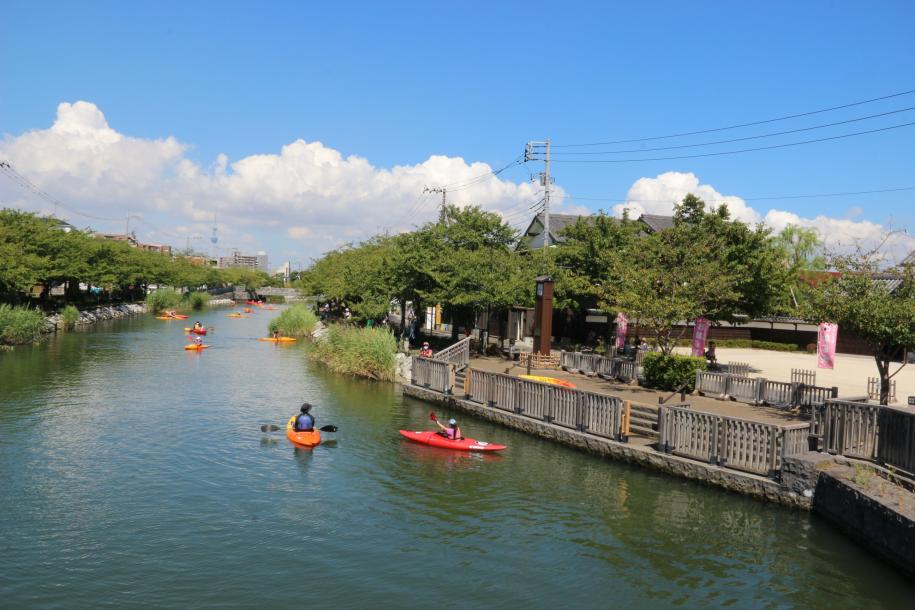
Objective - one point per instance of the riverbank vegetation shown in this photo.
(296, 321)
(69, 315)
(20, 325)
(362, 352)
(470, 261)
(46, 266)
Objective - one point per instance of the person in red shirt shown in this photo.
(426, 351)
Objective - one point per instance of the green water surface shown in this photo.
(135, 475)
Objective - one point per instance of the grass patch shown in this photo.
(297, 321)
(363, 352)
(198, 300)
(69, 316)
(162, 299)
(20, 325)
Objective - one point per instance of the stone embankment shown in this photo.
(98, 314)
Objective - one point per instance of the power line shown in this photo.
(734, 152)
(767, 198)
(7, 170)
(750, 124)
(757, 137)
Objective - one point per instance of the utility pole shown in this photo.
(540, 151)
(444, 192)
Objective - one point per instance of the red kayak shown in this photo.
(427, 437)
(196, 331)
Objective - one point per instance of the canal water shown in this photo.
(134, 474)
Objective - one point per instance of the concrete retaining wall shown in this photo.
(748, 484)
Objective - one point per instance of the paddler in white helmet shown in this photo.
(452, 431)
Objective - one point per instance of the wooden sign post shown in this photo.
(543, 315)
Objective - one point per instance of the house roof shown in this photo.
(558, 222)
(656, 222)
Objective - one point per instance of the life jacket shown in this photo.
(304, 425)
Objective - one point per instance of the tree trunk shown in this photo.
(883, 367)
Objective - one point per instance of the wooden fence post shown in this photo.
(467, 383)
(624, 423)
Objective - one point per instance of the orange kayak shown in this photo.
(247, 310)
(193, 347)
(303, 439)
(278, 339)
(165, 318)
(551, 380)
(235, 315)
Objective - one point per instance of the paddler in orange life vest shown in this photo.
(304, 422)
(452, 431)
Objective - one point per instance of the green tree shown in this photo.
(884, 319)
(705, 265)
(801, 252)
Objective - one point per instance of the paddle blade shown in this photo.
(269, 428)
(329, 428)
(432, 416)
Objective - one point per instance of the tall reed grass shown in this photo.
(363, 352)
(162, 299)
(20, 325)
(297, 321)
(198, 300)
(69, 316)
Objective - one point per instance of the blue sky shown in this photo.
(396, 83)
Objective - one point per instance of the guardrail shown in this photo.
(598, 414)
(728, 441)
(432, 374)
(759, 390)
(804, 376)
(896, 446)
(873, 389)
(624, 369)
(457, 354)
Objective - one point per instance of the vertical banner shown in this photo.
(622, 325)
(700, 332)
(826, 345)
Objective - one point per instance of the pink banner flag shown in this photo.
(826, 345)
(700, 332)
(622, 325)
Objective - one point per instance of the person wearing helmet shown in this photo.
(452, 431)
(305, 421)
(426, 351)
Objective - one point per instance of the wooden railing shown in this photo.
(741, 369)
(457, 354)
(804, 376)
(624, 369)
(896, 445)
(598, 414)
(847, 428)
(730, 442)
(758, 390)
(433, 374)
(873, 389)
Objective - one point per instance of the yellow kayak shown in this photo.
(195, 347)
(551, 380)
(278, 339)
(235, 315)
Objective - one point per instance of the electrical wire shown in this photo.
(738, 126)
(767, 198)
(756, 137)
(734, 152)
(7, 170)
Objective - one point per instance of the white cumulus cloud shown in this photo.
(658, 195)
(299, 201)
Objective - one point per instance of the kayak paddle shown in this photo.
(274, 428)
